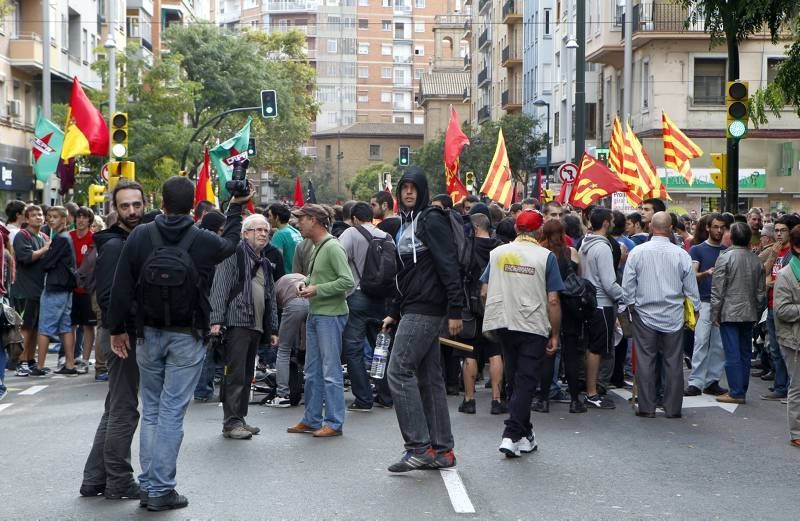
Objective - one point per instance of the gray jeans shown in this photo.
(417, 385)
(293, 321)
(790, 356)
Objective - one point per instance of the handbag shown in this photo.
(689, 318)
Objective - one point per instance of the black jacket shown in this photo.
(207, 250)
(30, 276)
(430, 284)
(58, 264)
(275, 258)
(109, 245)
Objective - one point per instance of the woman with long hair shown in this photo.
(552, 238)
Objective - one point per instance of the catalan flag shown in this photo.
(86, 130)
(498, 185)
(625, 164)
(454, 141)
(678, 149)
(645, 168)
(616, 149)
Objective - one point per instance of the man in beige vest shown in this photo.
(523, 309)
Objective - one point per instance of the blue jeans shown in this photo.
(324, 379)
(781, 384)
(169, 366)
(737, 338)
(362, 309)
(708, 357)
(204, 390)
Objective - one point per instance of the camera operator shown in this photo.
(243, 300)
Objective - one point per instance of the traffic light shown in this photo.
(96, 195)
(470, 177)
(251, 147)
(738, 109)
(269, 104)
(119, 135)
(602, 155)
(405, 156)
(720, 161)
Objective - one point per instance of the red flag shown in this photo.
(298, 194)
(86, 133)
(594, 182)
(454, 142)
(562, 194)
(205, 190)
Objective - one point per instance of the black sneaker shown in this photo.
(382, 404)
(38, 372)
(599, 402)
(467, 406)
(576, 407)
(499, 407)
(171, 501)
(691, 390)
(715, 389)
(92, 490)
(357, 407)
(540, 405)
(67, 372)
(443, 460)
(132, 492)
(413, 461)
(452, 390)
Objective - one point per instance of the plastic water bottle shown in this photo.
(380, 356)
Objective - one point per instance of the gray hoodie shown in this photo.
(597, 266)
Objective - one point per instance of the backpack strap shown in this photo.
(316, 252)
(369, 237)
(185, 243)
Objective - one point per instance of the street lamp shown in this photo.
(571, 43)
(570, 46)
(111, 51)
(542, 103)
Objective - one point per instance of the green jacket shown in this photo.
(330, 274)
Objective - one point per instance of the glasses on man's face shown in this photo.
(259, 230)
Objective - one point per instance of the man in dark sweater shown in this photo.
(170, 353)
(58, 264)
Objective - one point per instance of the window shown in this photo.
(386, 3)
(327, 151)
(332, 120)
(363, 72)
(333, 46)
(363, 48)
(419, 120)
(590, 126)
(386, 25)
(556, 127)
(386, 49)
(85, 45)
(773, 65)
(374, 152)
(419, 50)
(3, 105)
(419, 4)
(363, 96)
(386, 73)
(645, 84)
(547, 22)
(419, 27)
(709, 81)
(386, 97)
(607, 100)
(363, 3)
(418, 72)
(64, 32)
(363, 24)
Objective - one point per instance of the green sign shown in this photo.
(749, 179)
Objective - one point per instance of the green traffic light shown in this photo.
(737, 129)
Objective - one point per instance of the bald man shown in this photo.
(658, 278)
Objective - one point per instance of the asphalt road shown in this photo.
(604, 465)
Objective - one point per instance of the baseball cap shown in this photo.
(529, 221)
(313, 210)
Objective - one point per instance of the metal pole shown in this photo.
(627, 67)
(580, 80)
(46, 95)
(549, 148)
(568, 132)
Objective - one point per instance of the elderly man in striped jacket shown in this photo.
(243, 300)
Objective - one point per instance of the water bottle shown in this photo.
(380, 356)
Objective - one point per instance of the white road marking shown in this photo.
(690, 402)
(457, 492)
(33, 389)
(5, 406)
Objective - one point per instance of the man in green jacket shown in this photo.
(329, 279)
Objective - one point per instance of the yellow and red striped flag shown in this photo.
(645, 168)
(498, 185)
(678, 149)
(615, 153)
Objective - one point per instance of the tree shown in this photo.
(785, 90)
(365, 183)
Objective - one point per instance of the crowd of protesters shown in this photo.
(543, 304)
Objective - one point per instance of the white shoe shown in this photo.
(509, 448)
(527, 445)
(278, 402)
(62, 360)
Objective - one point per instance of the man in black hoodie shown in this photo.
(170, 351)
(108, 469)
(429, 287)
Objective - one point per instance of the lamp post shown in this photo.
(542, 103)
(111, 50)
(570, 45)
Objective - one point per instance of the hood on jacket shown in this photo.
(590, 241)
(173, 227)
(114, 231)
(415, 176)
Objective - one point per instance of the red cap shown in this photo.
(529, 221)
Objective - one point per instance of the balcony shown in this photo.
(289, 6)
(510, 56)
(663, 22)
(483, 113)
(25, 53)
(483, 77)
(512, 12)
(511, 101)
(467, 28)
(467, 62)
(483, 39)
(450, 21)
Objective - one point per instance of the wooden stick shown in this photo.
(457, 345)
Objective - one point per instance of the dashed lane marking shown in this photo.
(690, 402)
(5, 406)
(457, 492)
(32, 390)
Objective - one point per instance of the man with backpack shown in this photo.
(243, 300)
(372, 257)
(429, 290)
(166, 268)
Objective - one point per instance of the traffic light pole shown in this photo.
(732, 177)
(211, 120)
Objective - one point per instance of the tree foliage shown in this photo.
(365, 184)
(785, 90)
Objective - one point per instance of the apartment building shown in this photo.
(488, 36)
(537, 65)
(675, 70)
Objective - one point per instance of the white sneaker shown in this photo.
(509, 448)
(278, 402)
(527, 445)
(62, 360)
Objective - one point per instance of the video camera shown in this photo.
(239, 185)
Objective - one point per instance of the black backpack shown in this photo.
(380, 265)
(579, 298)
(169, 284)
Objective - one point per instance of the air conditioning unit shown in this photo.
(14, 107)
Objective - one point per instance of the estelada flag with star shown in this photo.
(224, 154)
(47, 142)
(594, 182)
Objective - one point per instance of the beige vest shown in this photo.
(517, 297)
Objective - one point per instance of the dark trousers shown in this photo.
(649, 344)
(573, 352)
(109, 461)
(241, 345)
(365, 312)
(620, 356)
(523, 357)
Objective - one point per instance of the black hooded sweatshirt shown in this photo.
(429, 283)
(207, 250)
(109, 245)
